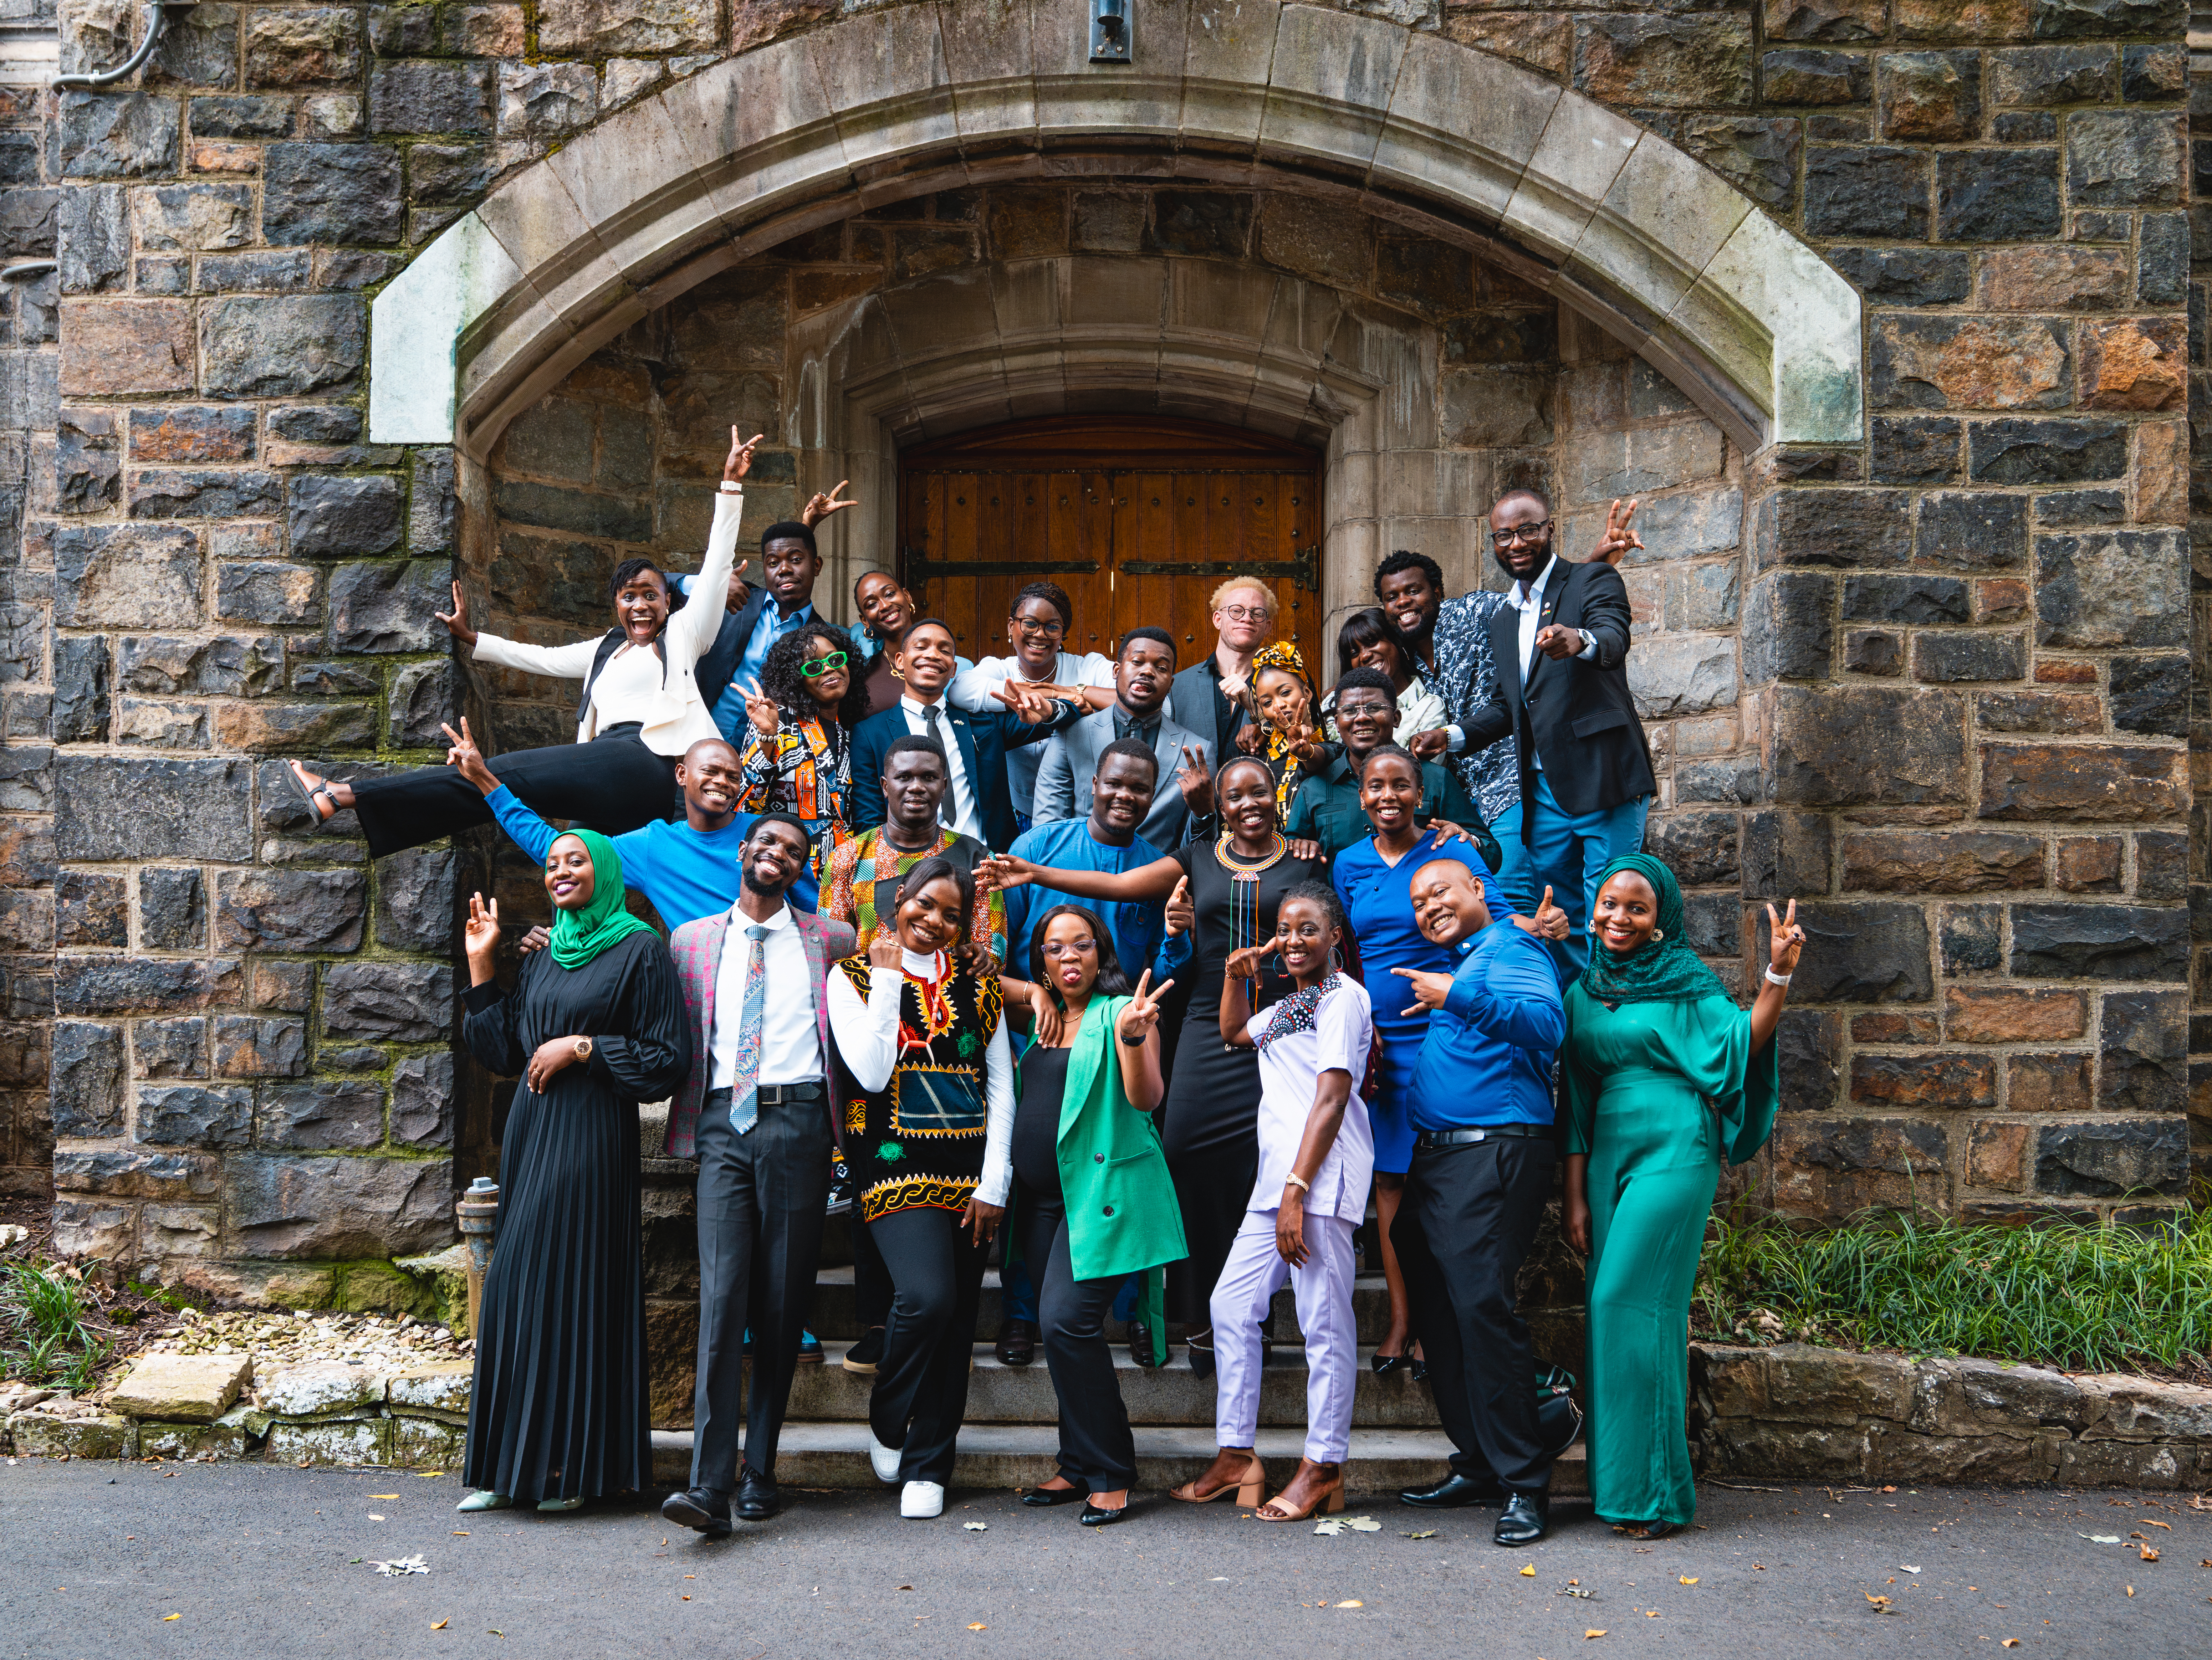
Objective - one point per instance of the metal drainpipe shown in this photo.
(157, 19)
(29, 268)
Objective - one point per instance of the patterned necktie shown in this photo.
(745, 1090)
(946, 813)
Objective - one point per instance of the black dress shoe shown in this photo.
(1524, 1520)
(1140, 1345)
(1093, 1517)
(759, 1496)
(1045, 1498)
(1454, 1492)
(865, 1355)
(698, 1508)
(1016, 1344)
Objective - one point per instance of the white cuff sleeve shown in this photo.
(999, 1125)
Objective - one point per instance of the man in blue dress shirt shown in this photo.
(756, 618)
(1483, 1163)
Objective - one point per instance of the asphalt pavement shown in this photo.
(102, 1561)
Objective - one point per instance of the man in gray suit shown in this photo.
(1142, 674)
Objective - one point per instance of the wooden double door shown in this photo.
(1139, 519)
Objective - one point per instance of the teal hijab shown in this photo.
(581, 935)
(1663, 969)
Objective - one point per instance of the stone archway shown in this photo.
(1619, 224)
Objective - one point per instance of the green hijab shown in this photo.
(1663, 969)
(579, 936)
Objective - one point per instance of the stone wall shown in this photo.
(1965, 639)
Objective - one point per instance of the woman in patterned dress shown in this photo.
(798, 754)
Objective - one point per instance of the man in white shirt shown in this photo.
(757, 1112)
(1039, 625)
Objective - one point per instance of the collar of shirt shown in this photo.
(1527, 596)
(776, 617)
(1126, 725)
(915, 706)
(740, 921)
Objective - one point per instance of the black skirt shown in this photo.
(612, 784)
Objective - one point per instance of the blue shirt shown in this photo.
(1487, 1059)
(687, 873)
(1139, 931)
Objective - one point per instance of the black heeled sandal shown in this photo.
(298, 774)
(1384, 1365)
(1202, 1356)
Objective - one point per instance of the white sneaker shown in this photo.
(921, 1500)
(884, 1460)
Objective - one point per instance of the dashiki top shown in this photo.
(804, 770)
(919, 1140)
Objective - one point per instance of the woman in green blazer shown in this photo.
(1092, 1200)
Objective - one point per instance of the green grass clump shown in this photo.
(44, 1338)
(2082, 1296)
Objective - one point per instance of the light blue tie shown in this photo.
(744, 1087)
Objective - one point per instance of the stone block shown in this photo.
(172, 909)
(2162, 261)
(1874, 651)
(1917, 450)
(2144, 1037)
(1920, 1083)
(409, 1002)
(619, 519)
(387, 607)
(422, 1101)
(26, 779)
(1798, 75)
(1997, 195)
(595, 28)
(414, 95)
(1947, 658)
(345, 1442)
(322, 1114)
(91, 908)
(85, 1088)
(43, 1435)
(1928, 96)
(2092, 941)
(288, 986)
(2124, 1465)
(2113, 1158)
(2043, 76)
(2046, 452)
(2152, 72)
(2076, 784)
(2054, 278)
(2010, 1014)
(1942, 861)
(108, 985)
(1491, 408)
(2126, 159)
(92, 230)
(87, 467)
(81, 700)
(425, 696)
(191, 1388)
(2150, 695)
(1863, 951)
(193, 217)
(231, 1436)
(1828, 1169)
(542, 101)
(114, 348)
(1905, 276)
(232, 665)
(241, 118)
(2120, 1407)
(1971, 363)
(426, 1443)
(250, 1046)
(110, 808)
(108, 1232)
(1787, 633)
(310, 1207)
(1918, 598)
(192, 433)
(266, 592)
(416, 892)
(260, 728)
(1699, 848)
(161, 725)
(171, 1049)
(1820, 761)
(1696, 60)
(2103, 589)
(1971, 531)
(2134, 363)
(187, 492)
(337, 518)
(440, 1386)
(1824, 20)
(117, 135)
(343, 193)
(302, 46)
(315, 423)
(2087, 864)
(1848, 528)
(193, 1115)
(282, 346)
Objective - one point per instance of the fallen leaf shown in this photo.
(460, 1533)
(384, 1495)
(1529, 1573)
(374, 1516)
(494, 1631)
(687, 1598)
(1218, 1579)
(1429, 1534)
(977, 1527)
(2099, 1538)
(2011, 1643)
(1906, 1567)
(167, 1617)
(979, 1625)
(2131, 1591)
(906, 1587)
(429, 1474)
(1597, 1631)
(1353, 1604)
(441, 1625)
(2149, 1555)
(690, 1576)
(1687, 1579)
(2147, 1522)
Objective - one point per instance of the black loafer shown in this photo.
(1093, 1517)
(866, 1355)
(1524, 1520)
(1454, 1492)
(759, 1496)
(1140, 1345)
(1016, 1344)
(1045, 1498)
(700, 1508)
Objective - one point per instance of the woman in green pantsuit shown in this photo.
(1666, 1079)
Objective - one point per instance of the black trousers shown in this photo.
(1464, 1227)
(1096, 1450)
(872, 1281)
(610, 784)
(1212, 1188)
(921, 1387)
(760, 1198)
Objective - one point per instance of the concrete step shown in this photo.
(816, 1455)
(1171, 1394)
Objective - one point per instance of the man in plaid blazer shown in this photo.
(757, 1112)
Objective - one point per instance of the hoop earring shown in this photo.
(1335, 961)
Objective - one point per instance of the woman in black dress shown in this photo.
(1213, 1109)
(595, 1024)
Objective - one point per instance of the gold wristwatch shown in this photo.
(583, 1049)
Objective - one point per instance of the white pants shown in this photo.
(1255, 1272)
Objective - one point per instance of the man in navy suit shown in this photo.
(977, 801)
(1560, 643)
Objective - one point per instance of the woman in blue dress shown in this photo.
(1374, 881)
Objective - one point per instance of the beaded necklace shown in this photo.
(1244, 894)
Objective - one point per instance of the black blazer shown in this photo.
(1193, 705)
(720, 661)
(983, 739)
(1577, 714)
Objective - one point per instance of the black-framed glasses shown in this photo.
(1520, 533)
(815, 667)
(1031, 626)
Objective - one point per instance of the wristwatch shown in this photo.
(583, 1049)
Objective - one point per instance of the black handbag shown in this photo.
(1558, 1420)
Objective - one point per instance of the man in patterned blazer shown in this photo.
(757, 1112)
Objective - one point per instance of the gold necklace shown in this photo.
(1249, 868)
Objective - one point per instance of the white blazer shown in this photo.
(674, 717)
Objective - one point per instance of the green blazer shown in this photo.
(1122, 1217)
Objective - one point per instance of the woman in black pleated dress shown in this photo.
(595, 1024)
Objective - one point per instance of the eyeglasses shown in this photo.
(1071, 949)
(1031, 626)
(815, 667)
(1520, 533)
(1246, 613)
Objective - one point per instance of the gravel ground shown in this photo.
(262, 1562)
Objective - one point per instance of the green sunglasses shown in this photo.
(815, 667)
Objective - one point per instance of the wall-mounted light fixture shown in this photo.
(1109, 31)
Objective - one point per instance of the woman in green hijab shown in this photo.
(594, 1025)
(1666, 1080)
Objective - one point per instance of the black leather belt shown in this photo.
(1436, 1138)
(774, 1094)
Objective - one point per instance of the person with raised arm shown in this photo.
(798, 754)
(559, 1410)
(1039, 623)
(639, 710)
(1143, 672)
(1329, 807)
(1665, 1081)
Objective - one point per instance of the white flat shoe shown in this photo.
(884, 1460)
(486, 1500)
(921, 1500)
